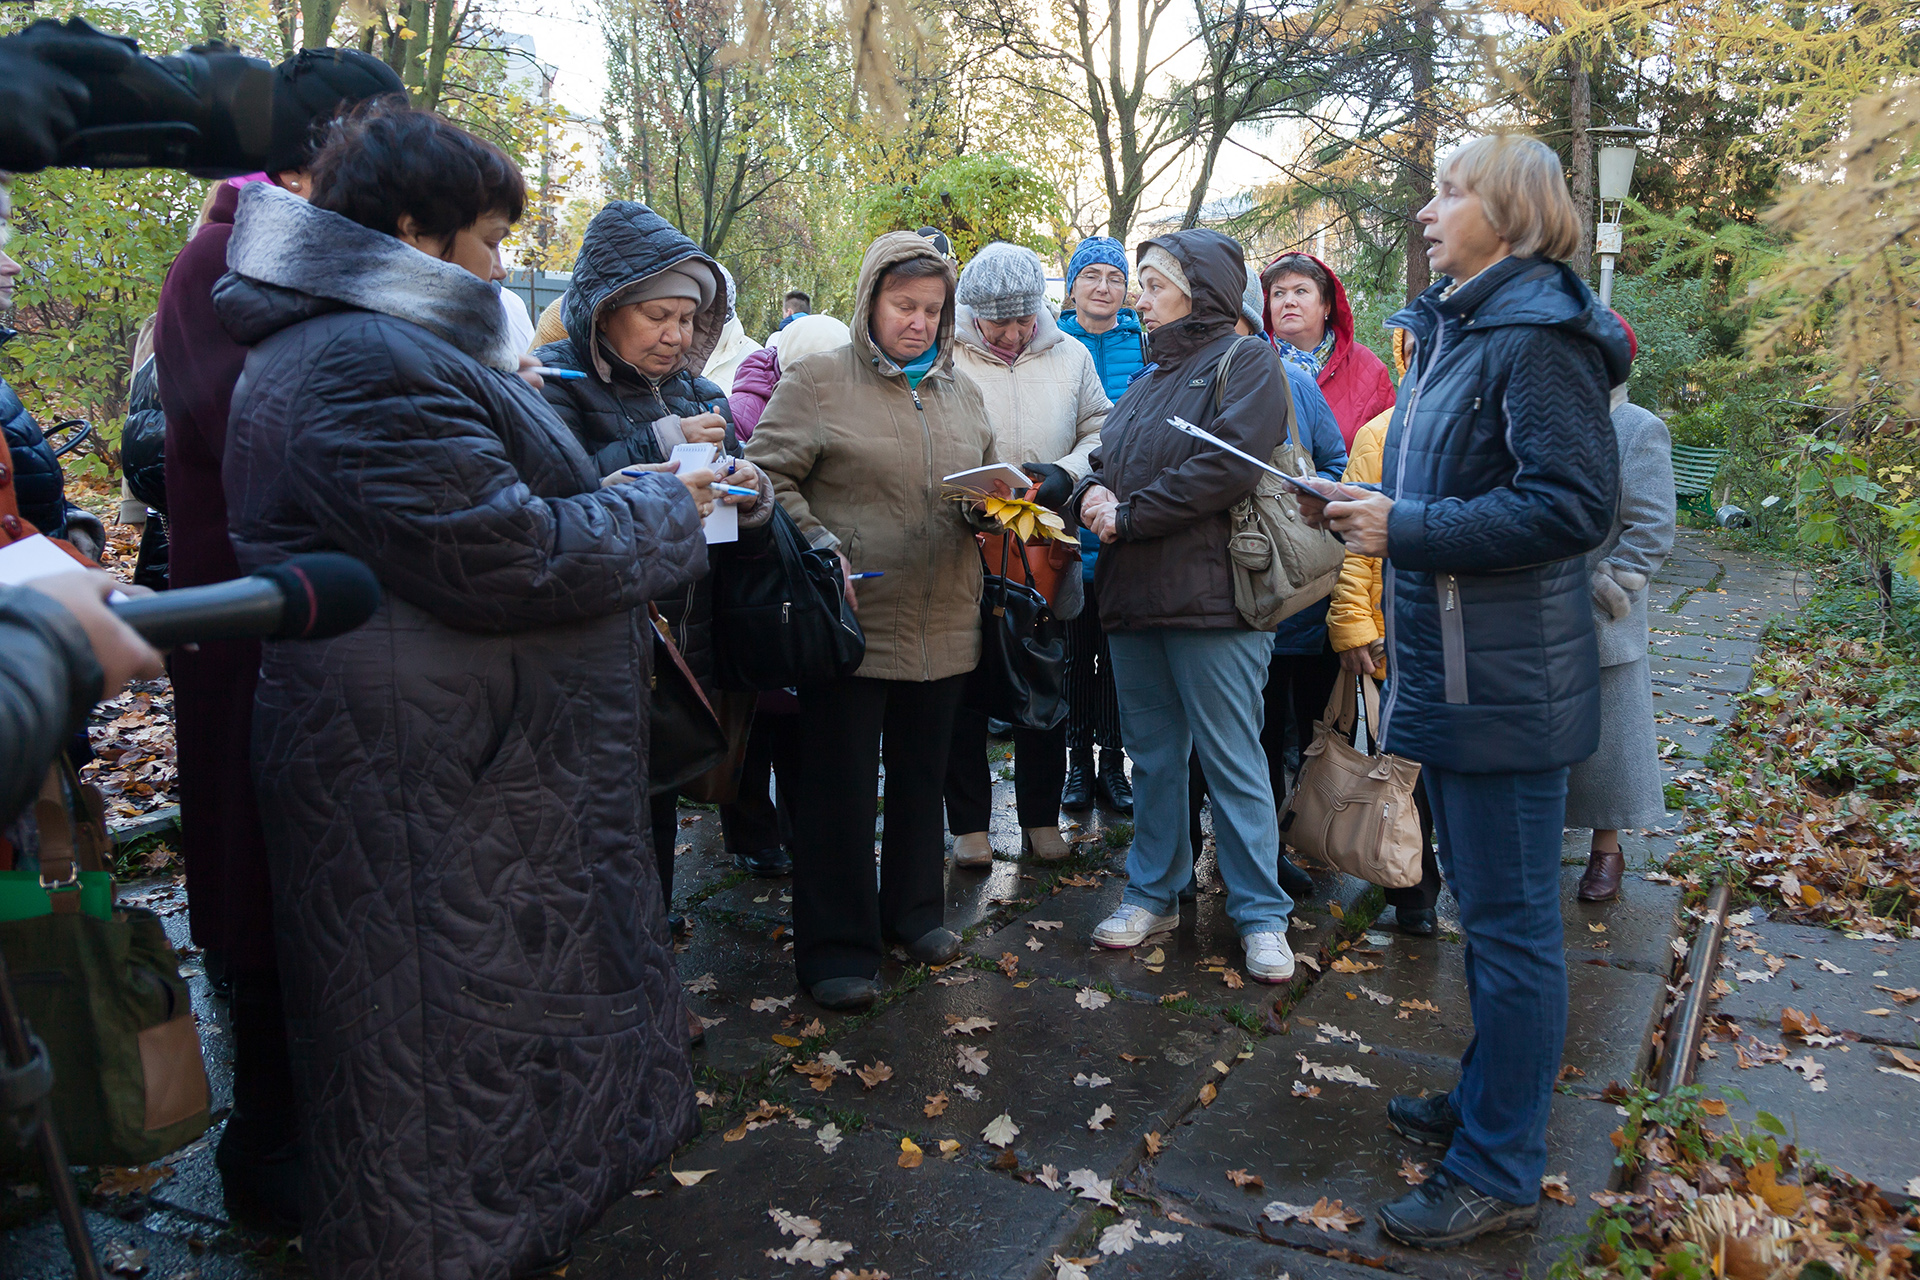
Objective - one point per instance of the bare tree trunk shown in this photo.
(1421, 134)
(1580, 116)
(442, 38)
(316, 22)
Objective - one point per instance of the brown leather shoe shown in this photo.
(1601, 880)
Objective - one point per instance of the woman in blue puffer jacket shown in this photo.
(1499, 475)
(1111, 331)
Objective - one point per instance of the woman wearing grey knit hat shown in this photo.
(1046, 405)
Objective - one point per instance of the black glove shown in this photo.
(42, 99)
(1056, 483)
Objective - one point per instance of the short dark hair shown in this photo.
(802, 297)
(919, 267)
(1298, 264)
(386, 160)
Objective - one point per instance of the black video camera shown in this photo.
(207, 110)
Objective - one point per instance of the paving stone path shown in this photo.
(1155, 1072)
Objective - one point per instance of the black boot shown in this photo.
(1078, 793)
(1112, 787)
(261, 1164)
(1297, 883)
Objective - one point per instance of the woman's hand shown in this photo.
(1359, 516)
(705, 428)
(1099, 513)
(117, 647)
(534, 380)
(746, 476)
(846, 579)
(699, 481)
(1357, 661)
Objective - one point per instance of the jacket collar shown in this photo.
(281, 240)
(1126, 320)
(1520, 291)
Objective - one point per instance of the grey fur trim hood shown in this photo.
(282, 241)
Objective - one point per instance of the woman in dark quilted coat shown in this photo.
(1499, 475)
(487, 1030)
(644, 311)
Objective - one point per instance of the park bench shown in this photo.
(1694, 469)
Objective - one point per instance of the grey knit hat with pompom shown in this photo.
(1003, 282)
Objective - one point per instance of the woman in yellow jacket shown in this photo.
(1358, 632)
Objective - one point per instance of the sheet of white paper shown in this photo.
(980, 479)
(724, 524)
(37, 557)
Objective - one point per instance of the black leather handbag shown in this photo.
(687, 739)
(1022, 676)
(780, 613)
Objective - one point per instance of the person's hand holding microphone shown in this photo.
(123, 656)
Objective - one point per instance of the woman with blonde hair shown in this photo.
(1499, 475)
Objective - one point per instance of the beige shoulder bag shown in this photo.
(1352, 808)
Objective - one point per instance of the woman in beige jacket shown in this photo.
(1046, 406)
(856, 441)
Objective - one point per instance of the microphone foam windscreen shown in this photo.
(327, 594)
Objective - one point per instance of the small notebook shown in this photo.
(724, 524)
(980, 479)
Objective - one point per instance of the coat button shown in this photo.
(11, 526)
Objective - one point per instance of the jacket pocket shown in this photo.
(1453, 636)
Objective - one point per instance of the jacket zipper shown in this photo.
(1399, 483)
(926, 597)
(1453, 637)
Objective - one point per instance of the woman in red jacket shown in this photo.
(1312, 326)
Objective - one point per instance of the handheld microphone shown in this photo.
(310, 597)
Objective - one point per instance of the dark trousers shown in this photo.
(1298, 686)
(1500, 840)
(841, 917)
(1093, 706)
(665, 815)
(1039, 773)
(754, 824)
(1422, 896)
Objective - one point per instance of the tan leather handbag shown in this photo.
(1352, 808)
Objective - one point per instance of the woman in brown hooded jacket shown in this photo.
(856, 441)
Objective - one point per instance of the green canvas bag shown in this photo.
(102, 988)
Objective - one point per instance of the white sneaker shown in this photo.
(1130, 926)
(1269, 958)
(972, 850)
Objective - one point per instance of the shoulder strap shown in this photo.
(1288, 416)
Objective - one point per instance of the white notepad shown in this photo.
(724, 524)
(980, 479)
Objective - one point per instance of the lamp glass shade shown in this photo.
(1616, 171)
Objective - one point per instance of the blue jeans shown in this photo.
(1182, 691)
(1500, 844)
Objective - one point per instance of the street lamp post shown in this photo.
(1617, 153)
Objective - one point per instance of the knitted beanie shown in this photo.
(1003, 282)
(1163, 262)
(1097, 250)
(1253, 302)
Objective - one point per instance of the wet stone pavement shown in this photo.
(1053, 1090)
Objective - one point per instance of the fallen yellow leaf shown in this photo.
(910, 1154)
(948, 1146)
(1783, 1200)
(1714, 1107)
(1207, 1094)
(787, 1042)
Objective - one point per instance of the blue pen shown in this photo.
(871, 573)
(733, 489)
(565, 375)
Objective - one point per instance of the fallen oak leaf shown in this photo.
(948, 1147)
(1347, 964)
(770, 1004)
(1169, 999)
(1088, 998)
(1905, 995)
(936, 1105)
(873, 1074)
(972, 1060)
(791, 1224)
(1415, 1174)
(1155, 1143)
(1085, 1081)
(1009, 963)
(1045, 924)
(1420, 1006)
(828, 1137)
(132, 1181)
(1001, 1130)
(910, 1156)
(1120, 1237)
(1232, 978)
(958, 1026)
(1246, 1181)
(1102, 1114)
(1554, 1187)
(1048, 1177)
(1033, 944)
(1091, 1187)
(1783, 1198)
(816, 1252)
(1301, 1089)
(1207, 1094)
